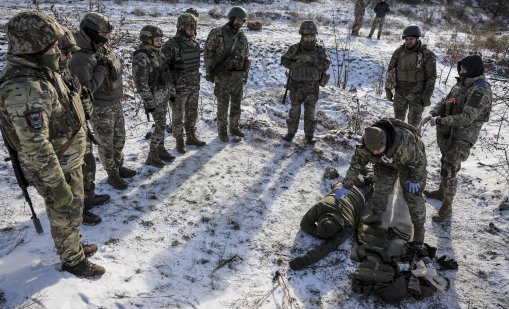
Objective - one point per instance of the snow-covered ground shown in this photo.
(216, 228)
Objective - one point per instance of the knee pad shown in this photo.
(447, 171)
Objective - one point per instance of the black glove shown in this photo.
(447, 264)
(298, 263)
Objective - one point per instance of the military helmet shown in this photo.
(308, 27)
(149, 32)
(67, 43)
(193, 11)
(413, 31)
(186, 20)
(32, 33)
(237, 12)
(97, 22)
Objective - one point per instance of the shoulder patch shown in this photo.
(35, 120)
(475, 98)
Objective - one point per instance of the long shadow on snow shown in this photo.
(224, 242)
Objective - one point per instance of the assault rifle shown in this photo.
(20, 178)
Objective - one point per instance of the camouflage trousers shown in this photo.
(109, 127)
(411, 103)
(89, 169)
(185, 113)
(302, 93)
(378, 21)
(384, 186)
(229, 95)
(64, 221)
(359, 10)
(454, 151)
(159, 116)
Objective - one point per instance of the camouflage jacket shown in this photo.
(214, 53)
(349, 208)
(184, 81)
(405, 151)
(464, 109)
(306, 71)
(73, 83)
(98, 69)
(412, 71)
(149, 74)
(41, 118)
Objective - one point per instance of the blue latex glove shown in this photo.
(340, 193)
(413, 187)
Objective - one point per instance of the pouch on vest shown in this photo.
(324, 79)
(395, 292)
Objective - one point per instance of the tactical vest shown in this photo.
(306, 72)
(236, 58)
(410, 67)
(73, 116)
(114, 78)
(155, 63)
(188, 57)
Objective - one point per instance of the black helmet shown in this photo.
(413, 31)
(237, 12)
(97, 22)
(308, 27)
(149, 32)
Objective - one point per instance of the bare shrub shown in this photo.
(66, 19)
(96, 6)
(254, 25)
(216, 13)
(138, 12)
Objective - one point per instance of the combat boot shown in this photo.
(85, 269)
(97, 200)
(191, 139)
(237, 132)
(444, 212)
(372, 218)
(418, 233)
(89, 249)
(181, 147)
(125, 172)
(435, 194)
(289, 137)
(154, 160)
(89, 218)
(165, 155)
(310, 139)
(223, 137)
(116, 182)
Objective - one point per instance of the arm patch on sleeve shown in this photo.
(475, 99)
(35, 120)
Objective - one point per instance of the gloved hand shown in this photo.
(298, 263)
(209, 78)
(388, 95)
(62, 195)
(436, 121)
(340, 193)
(413, 187)
(426, 100)
(447, 264)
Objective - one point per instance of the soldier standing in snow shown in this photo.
(458, 119)
(153, 82)
(182, 54)
(44, 122)
(412, 73)
(397, 151)
(381, 9)
(308, 63)
(67, 46)
(226, 58)
(99, 69)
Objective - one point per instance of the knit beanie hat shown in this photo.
(473, 64)
(328, 225)
(374, 138)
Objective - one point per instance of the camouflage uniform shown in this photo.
(412, 73)
(463, 112)
(183, 56)
(229, 75)
(304, 84)
(381, 9)
(44, 122)
(404, 157)
(347, 211)
(149, 77)
(359, 10)
(100, 70)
